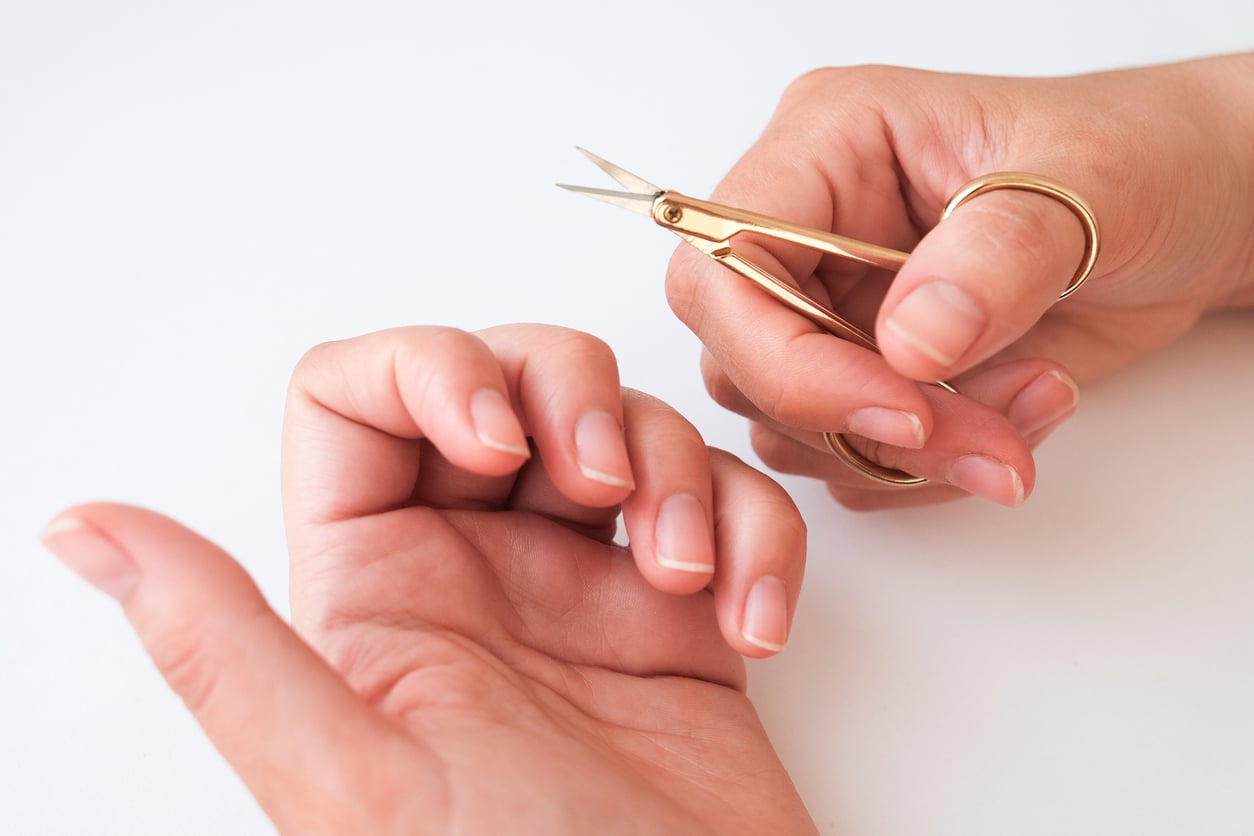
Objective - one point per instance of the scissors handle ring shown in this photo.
(1023, 181)
(840, 447)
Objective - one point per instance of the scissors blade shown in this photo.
(624, 178)
(639, 203)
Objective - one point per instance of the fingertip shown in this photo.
(91, 554)
(930, 329)
(496, 425)
(683, 545)
(765, 622)
(974, 448)
(120, 548)
(897, 427)
(566, 388)
(601, 450)
(989, 478)
(1043, 403)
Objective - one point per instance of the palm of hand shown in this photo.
(539, 681)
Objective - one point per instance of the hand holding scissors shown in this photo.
(711, 228)
(876, 154)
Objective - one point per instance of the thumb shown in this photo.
(290, 726)
(978, 281)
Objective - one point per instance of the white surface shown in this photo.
(190, 196)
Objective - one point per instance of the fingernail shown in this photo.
(1046, 400)
(766, 615)
(495, 423)
(988, 478)
(92, 556)
(601, 450)
(890, 426)
(939, 319)
(682, 535)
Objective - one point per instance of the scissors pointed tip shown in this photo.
(625, 178)
(639, 203)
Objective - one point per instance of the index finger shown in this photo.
(826, 165)
(358, 409)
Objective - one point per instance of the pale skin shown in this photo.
(472, 653)
(1164, 155)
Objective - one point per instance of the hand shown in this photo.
(1163, 155)
(481, 657)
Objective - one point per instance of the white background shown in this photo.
(193, 194)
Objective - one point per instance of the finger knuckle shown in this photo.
(183, 660)
(313, 359)
(811, 83)
(583, 344)
(406, 345)
(685, 285)
(793, 534)
(415, 345)
(778, 400)
(846, 82)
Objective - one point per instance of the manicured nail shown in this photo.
(890, 426)
(92, 556)
(1045, 401)
(601, 450)
(939, 319)
(682, 535)
(988, 478)
(495, 423)
(766, 615)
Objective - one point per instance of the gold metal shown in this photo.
(710, 227)
(841, 449)
(1023, 181)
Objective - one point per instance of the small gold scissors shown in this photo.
(710, 227)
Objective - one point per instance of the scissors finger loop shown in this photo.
(1023, 181)
(841, 449)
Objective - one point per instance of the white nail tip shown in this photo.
(605, 478)
(1016, 482)
(762, 643)
(512, 449)
(685, 566)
